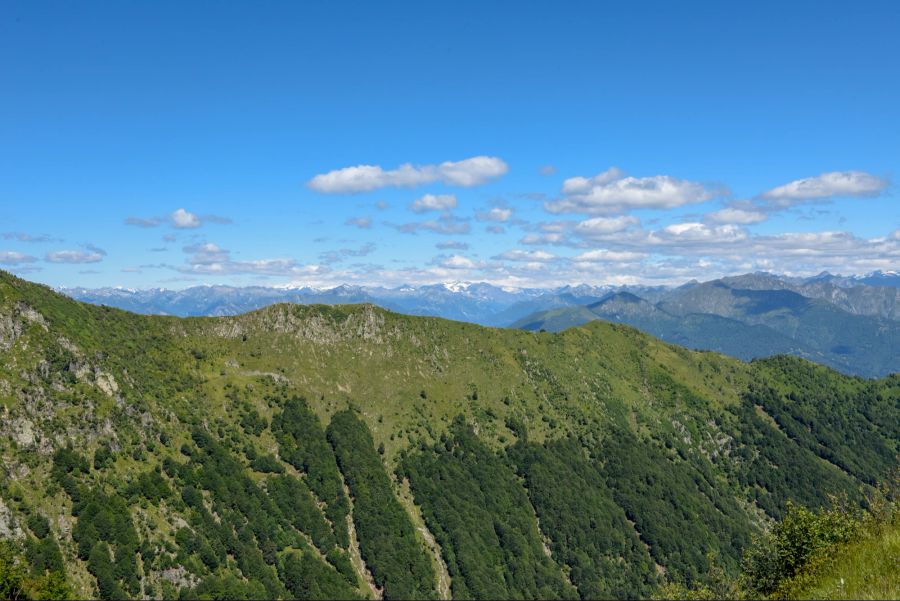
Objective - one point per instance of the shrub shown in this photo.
(792, 542)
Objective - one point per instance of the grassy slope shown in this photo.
(408, 376)
(868, 568)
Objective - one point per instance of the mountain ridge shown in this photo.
(158, 423)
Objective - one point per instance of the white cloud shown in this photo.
(362, 223)
(11, 257)
(547, 170)
(210, 259)
(538, 256)
(500, 214)
(826, 185)
(612, 191)
(467, 173)
(553, 238)
(737, 216)
(91, 255)
(610, 256)
(693, 232)
(182, 219)
(601, 226)
(458, 262)
(432, 202)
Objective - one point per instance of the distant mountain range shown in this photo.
(480, 303)
(847, 322)
(854, 329)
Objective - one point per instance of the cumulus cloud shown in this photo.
(834, 183)
(362, 223)
(526, 255)
(208, 258)
(550, 238)
(614, 192)
(457, 262)
(182, 219)
(495, 229)
(737, 216)
(500, 214)
(467, 173)
(693, 232)
(602, 226)
(11, 257)
(609, 256)
(432, 202)
(90, 254)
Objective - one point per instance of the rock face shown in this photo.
(9, 528)
(363, 322)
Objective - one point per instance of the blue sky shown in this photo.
(528, 144)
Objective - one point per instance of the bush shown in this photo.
(39, 525)
(792, 542)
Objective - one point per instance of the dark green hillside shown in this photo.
(346, 451)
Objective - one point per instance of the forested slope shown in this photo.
(267, 454)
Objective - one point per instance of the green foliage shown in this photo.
(387, 539)
(19, 580)
(342, 563)
(150, 485)
(44, 556)
(792, 542)
(675, 505)
(296, 502)
(68, 461)
(302, 443)
(777, 470)
(250, 520)
(101, 566)
(12, 573)
(105, 520)
(309, 578)
(225, 586)
(842, 420)
(815, 554)
(38, 524)
(252, 423)
(589, 532)
(266, 464)
(481, 517)
(103, 457)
